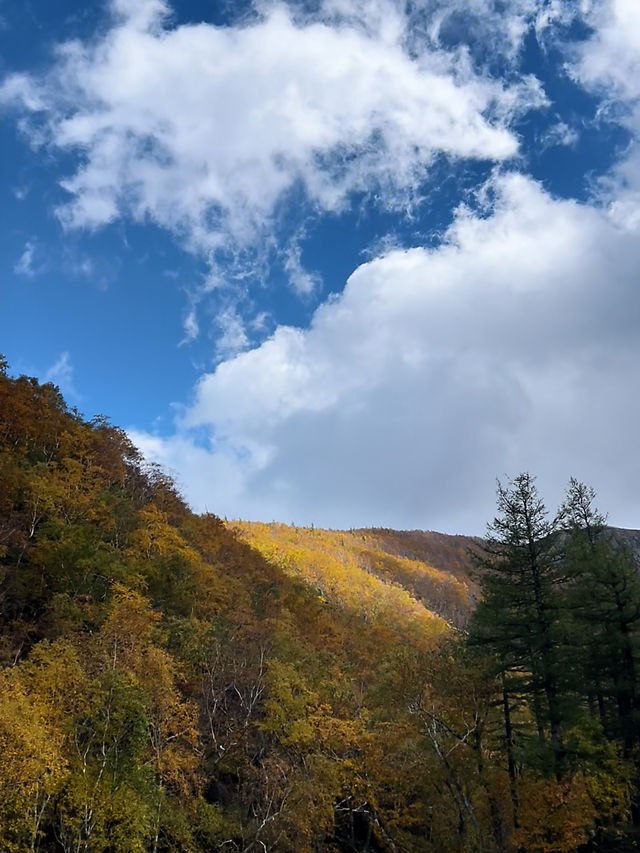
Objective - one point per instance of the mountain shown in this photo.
(376, 571)
(628, 539)
(166, 686)
(169, 682)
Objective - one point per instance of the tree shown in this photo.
(560, 618)
(604, 599)
(603, 603)
(32, 741)
(517, 618)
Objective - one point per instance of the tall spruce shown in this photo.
(517, 619)
(603, 596)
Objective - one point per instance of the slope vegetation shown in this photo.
(412, 576)
(171, 683)
(164, 686)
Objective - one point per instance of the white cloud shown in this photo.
(511, 346)
(25, 265)
(302, 281)
(36, 259)
(204, 130)
(233, 335)
(610, 60)
(609, 64)
(190, 326)
(61, 374)
(560, 134)
(498, 28)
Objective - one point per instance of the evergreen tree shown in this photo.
(517, 618)
(603, 596)
(603, 599)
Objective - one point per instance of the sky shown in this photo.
(341, 262)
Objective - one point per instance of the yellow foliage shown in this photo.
(31, 757)
(128, 628)
(331, 563)
(155, 536)
(553, 817)
(288, 705)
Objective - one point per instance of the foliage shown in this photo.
(172, 683)
(559, 623)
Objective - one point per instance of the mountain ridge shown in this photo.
(436, 569)
(433, 570)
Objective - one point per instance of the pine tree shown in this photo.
(603, 596)
(517, 618)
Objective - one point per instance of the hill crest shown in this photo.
(416, 573)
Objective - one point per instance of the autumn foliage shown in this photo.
(172, 683)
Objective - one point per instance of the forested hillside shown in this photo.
(166, 686)
(376, 571)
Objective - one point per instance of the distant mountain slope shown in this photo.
(630, 539)
(387, 573)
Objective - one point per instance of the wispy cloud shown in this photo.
(61, 374)
(205, 130)
(560, 134)
(26, 264)
(190, 326)
(609, 65)
(303, 281)
(232, 337)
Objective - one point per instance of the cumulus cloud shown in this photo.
(610, 60)
(204, 130)
(609, 64)
(513, 345)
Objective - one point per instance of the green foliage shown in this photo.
(559, 624)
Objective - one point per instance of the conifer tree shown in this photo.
(517, 618)
(603, 595)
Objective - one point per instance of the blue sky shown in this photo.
(334, 262)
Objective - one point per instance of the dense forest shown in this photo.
(174, 683)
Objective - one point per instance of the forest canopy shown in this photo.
(174, 683)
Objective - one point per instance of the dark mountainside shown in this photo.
(448, 553)
(172, 683)
(629, 539)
